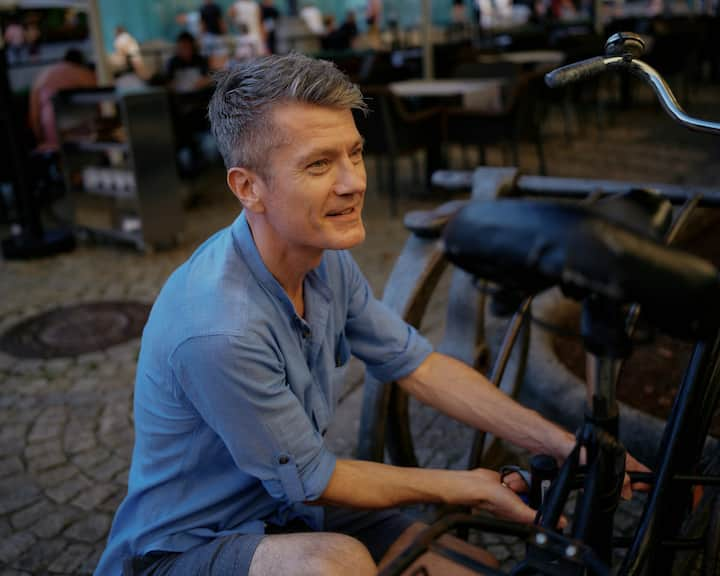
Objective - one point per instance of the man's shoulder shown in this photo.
(211, 292)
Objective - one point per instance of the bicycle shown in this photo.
(618, 255)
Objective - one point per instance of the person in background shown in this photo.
(14, 37)
(70, 73)
(349, 27)
(213, 28)
(212, 20)
(130, 70)
(246, 17)
(313, 18)
(338, 38)
(187, 70)
(269, 15)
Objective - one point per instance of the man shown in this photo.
(247, 344)
(70, 73)
(187, 69)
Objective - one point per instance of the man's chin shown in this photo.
(349, 239)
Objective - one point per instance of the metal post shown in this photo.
(427, 39)
(102, 69)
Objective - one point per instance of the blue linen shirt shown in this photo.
(234, 392)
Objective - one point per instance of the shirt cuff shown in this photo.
(418, 349)
(306, 485)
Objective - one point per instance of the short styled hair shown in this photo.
(240, 109)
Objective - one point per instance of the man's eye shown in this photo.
(318, 165)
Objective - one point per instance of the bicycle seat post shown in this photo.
(607, 345)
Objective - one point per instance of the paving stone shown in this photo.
(90, 529)
(10, 448)
(71, 559)
(58, 366)
(91, 499)
(6, 361)
(122, 439)
(13, 546)
(113, 503)
(91, 458)
(76, 443)
(54, 414)
(45, 431)
(46, 461)
(23, 518)
(114, 419)
(121, 478)
(108, 469)
(68, 489)
(91, 562)
(34, 386)
(93, 358)
(13, 432)
(500, 552)
(28, 367)
(54, 523)
(40, 554)
(54, 476)
(42, 448)
(10, 465)
(5, 528)
(17, 492)
(13, 572)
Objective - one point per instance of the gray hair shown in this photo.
(240, 109)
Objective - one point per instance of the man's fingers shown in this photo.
(515, 482)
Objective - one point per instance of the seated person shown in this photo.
(244, 354)
(70, 73)
(127, 61)
(187, 70)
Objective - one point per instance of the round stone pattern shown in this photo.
(75, 330)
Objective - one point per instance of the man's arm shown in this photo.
(360, 484)
(466, 395)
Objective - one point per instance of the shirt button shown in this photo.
(283, 459)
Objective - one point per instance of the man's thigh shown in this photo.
(223, 556)
(375, 529)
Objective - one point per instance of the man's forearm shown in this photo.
(360, 484)
(466, 395)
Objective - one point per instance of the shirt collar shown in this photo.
(245, 244)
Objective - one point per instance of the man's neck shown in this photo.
(288, 264)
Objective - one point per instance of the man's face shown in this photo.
(315, 179)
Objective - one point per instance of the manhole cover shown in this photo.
(75, 330)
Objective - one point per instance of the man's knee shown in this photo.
(343, 555)
(325, 554)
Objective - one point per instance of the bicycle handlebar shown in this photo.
(593, 66)
(575, 72)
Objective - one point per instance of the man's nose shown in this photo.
(351, 178)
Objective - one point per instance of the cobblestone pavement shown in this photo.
(66, 424)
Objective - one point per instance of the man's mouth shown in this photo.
(344, 212)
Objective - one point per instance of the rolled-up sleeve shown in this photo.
(238, 385)
(389, 346)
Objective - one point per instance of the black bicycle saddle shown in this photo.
(587, 250)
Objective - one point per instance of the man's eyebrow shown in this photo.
(329, 151)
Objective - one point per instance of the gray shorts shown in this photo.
(376, 529)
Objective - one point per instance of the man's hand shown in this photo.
(501, 499)
(632, 465)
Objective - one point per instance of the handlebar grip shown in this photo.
(575, 72)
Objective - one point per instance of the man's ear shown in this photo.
(245, 185)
